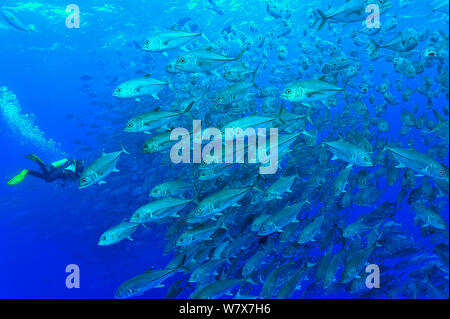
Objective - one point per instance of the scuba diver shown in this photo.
(65, 169)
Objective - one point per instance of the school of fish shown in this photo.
(314, 225)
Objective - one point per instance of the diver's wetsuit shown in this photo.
(50, 173)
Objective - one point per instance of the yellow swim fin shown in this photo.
(34, 158)
(18, 178)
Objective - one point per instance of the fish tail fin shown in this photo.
(323, 18)
(171, 84)
(344, 90)
(430, 8)
(254, 76)
(296, 172)
(124, 150)
(375, 44)
(239, 56)
(251, 281)
(255, 184)
(137, 44)
(439, 117)
(183, 267)
(32, 28)
(308, 116)
(279, 116)
(188, 109)
(196, 198)
(204, 36)
(304, 132)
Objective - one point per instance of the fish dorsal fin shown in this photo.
(411, 147)
(439, 117)
(157, 109)
(147, 75)
(150, 269)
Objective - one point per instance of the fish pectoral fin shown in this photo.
(160, 286)
(400, 166)
(155, 96)
(311, 94)
(101, 182)
(334, 158)
(130, 239)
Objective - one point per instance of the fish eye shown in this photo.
(130, 124)
(119, 89)
(288, 91)
(83, 180)
(365, 159)
(182, 60)
(147, 42)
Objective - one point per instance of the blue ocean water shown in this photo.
(65, 78)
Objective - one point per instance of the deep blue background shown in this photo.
(44, 227)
